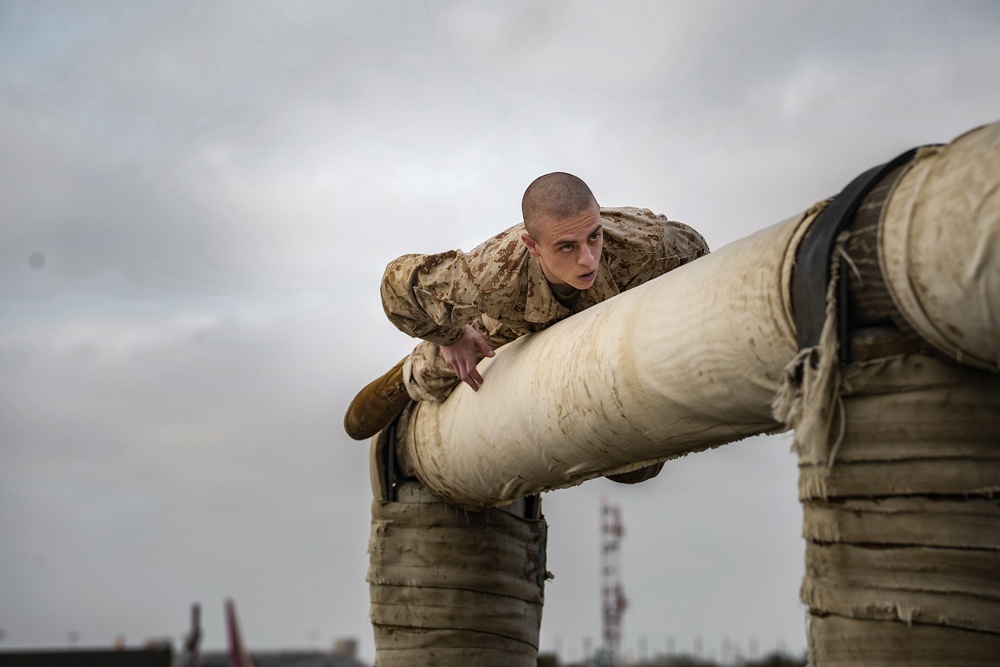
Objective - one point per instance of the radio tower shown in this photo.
(613, 600)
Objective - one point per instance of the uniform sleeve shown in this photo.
(676, 245)
(431, 296)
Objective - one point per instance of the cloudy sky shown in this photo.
(197, 200)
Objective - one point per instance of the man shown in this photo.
(566, 256)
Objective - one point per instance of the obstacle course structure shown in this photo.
(894, 407)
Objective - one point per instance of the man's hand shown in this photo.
(464, 354)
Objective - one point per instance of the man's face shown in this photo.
(569, 249)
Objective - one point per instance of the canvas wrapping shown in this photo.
(454, 588)
(902, 525)
(898, 457)
(939, 247)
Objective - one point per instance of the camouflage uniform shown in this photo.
(499, 289)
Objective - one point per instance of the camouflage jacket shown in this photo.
(434, 296)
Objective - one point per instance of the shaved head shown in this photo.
(558, 195)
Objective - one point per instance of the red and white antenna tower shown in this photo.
(613, 600)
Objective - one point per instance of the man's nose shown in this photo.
(586, 257)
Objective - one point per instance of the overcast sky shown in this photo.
(197, 200)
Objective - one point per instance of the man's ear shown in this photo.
(530, 244)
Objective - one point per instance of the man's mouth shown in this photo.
(588, 276)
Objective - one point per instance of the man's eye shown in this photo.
(566, 247)
(595, 236)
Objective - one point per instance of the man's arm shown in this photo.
(650, 244)
(431, 296)
(435, 297)
(680, 244)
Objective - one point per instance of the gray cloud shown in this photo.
(215, 189)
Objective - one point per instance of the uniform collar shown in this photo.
(542, 307)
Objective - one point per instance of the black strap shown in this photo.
(812, 263)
